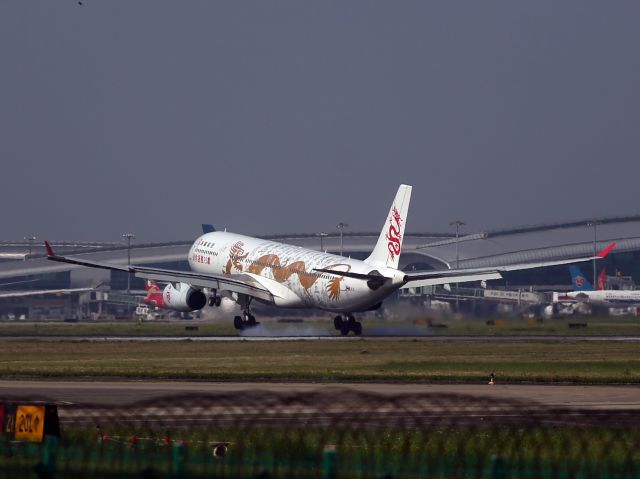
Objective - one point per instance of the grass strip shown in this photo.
(367, 360)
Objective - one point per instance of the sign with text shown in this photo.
(8, 419)
(29, 423)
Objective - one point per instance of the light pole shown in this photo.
(341, 226)
(128, 237)
(30, 239)
(457, 224)
(322, 237)
(594, 223)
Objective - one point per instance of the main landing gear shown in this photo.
(214, 299)
(346, 324)
(247, 320)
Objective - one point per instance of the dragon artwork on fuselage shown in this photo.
(236, 255)
(281, 271)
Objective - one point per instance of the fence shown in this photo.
(330, 434)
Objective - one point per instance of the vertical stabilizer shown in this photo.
(578, 280)
(389, 245)
(602, 280)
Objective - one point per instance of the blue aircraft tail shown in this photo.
(579, 280)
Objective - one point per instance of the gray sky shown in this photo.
(264, 117)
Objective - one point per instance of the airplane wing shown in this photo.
(242, 284)
(18, 294)
(428, 278)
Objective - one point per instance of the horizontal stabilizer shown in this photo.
(349, 274)
(460, 278)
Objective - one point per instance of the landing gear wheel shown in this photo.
(356, 327)
(218, 301)
(238, 323)
(251, 321)
(344, 330)
(338, 322)
(212, 300)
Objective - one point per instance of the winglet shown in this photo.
(207, 228)
(49, 249)
(606, 251)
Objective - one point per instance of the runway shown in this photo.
(116, 393)
(483, 339)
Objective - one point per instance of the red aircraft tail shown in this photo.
(151, 286)
(602, 279)
(154, 293)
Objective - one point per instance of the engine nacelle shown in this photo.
(183, 297)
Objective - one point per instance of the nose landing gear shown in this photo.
(346, 324)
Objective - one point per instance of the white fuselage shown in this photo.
(287, 271)
(607, 297)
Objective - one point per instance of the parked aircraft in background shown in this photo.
(243, 269)
(154, 295)
(580, 281)
(600, 297)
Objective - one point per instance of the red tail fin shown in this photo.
(151, 286)
(154, 294)
(602, 279)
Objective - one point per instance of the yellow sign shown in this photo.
(30, 423)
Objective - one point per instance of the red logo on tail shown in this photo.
(393, 236)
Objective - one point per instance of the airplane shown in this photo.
(581, 283)
(154, 295)
(585, 293)
(243, 269)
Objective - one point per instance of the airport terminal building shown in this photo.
(24, 266)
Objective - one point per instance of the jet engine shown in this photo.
(183, 297)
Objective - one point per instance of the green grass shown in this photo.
(370, 360)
